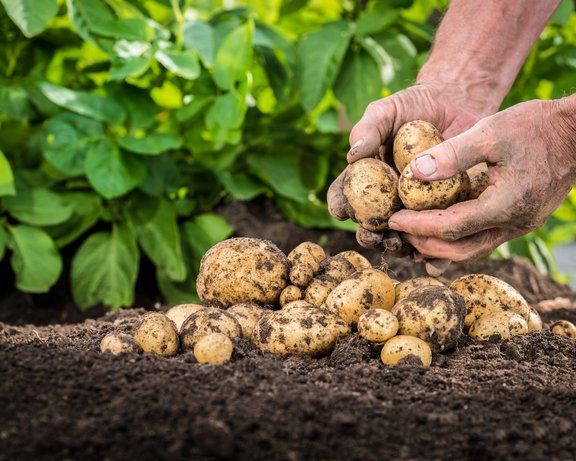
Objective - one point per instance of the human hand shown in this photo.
(531, 156)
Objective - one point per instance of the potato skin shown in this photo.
(181, 312)
(299, 331)
(358, 261)
(289, 294)
(366, 289)
(208, 320)
(534, 321)
(418, 195)
(157, 334)
(484, 294)
(213, 349)
(319, 289)
(305, 259)
(404, 349)
(377, 325)
(402, 289)
(371, 190)
(338, 267)
(247, 315)
(434, 314)
(479, 180)
(498, 326)
(119, 343)
(412, 139)
(240, 270)
(564, 328)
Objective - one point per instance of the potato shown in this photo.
(479, 180)
(412, 139)
(377, 325)
(214, 349)
(338, 268)
(302, 274)
(418, 195)
(299, 331)
(484, 294)
(157, 334)
(405, 349)
(242, 270)
(564, 328)
(402, 289)
(371, 190)
(498, 326)
(247, 315)
(434, 314)
(208, 320)
(369, 239)
(305, 260)
(534, 321)
(181, 312)
(299, 303)
(319, 289)
(358, 261)
(119, 343)
(289, 294)
(366, 289)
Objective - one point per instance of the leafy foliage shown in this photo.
(123, 123)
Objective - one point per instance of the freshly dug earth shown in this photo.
(61, 399)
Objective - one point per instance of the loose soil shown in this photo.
(60, 399)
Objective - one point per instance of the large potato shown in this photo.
(498, 326)
(366, 289)
(371, 190)
(434, 314)
(412, 139)
(181, 312)
(208, 320)
(377, 325)
(157, 334)
(247, 315)
(402, 289)
(299, 331)
(242, 270)
(484, 294)
(406, 349)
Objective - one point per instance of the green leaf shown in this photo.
(39, 207)
(163, 176)
(83, 103)
(192, 108)
(104, 269)
(87, 15)
(31, 16)
(205, 231)
(313, 214)
(151, 144)
(154, 222)
(67, 138)
(358, 83)
(35, 259)
(125, 28)
(199, 36)
(111, 171)
(131, 67)
(182, 63)
(241, 185)
(562, 14)
(233, 56)
(227, 112)
(372, 22)
(321, 53)
(139, 106)
(14, 102)
(6, 177)
(402, 53)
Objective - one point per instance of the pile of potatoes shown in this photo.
(303, 302)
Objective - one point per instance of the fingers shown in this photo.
(436, 267)
(336, 200)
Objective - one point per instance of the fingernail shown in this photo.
(393, 225)
(426, 165)
(355, 147)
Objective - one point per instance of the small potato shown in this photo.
(289, 294)
(214, 349)
(319, 289)
(338, 268)
(247, 315)
(208, 320)
(305, 260)
(366, 289)
(369, 239)
(484, 294)
(564, 328)
(301, 274)
(434, 314)
(412, 139)
(242, 270)
(371, 190)
(358, 261)
(430, 195)
(157, 334)
(534, 321)
(406, 349)
(498, 326)
(119, 343)
(181, 312)
(479, 180)
(403, 288)
(377, 325)
(299, 331)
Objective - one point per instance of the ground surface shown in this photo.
(60, 399)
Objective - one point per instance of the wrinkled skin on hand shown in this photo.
(531, 156)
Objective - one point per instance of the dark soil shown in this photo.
(60, 399)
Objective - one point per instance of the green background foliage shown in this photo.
(124, 123)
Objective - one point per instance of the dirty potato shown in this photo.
(534, 321)
(484, 294)
(564, 328)
(119, 343)
(479, 180)
(434, 314)
(305, 262)
(371, 190)
(366, 289)
(498, 326)
(289, 294)
(404, 349)
(319, 289)
(358, 261)
(157, 334)
(298, 331)
(208, 320)
(181, 312)
(338, 267)
(402, 289)
(412, 139)
(240, 270)
(213, 349)
(247, 315)
(299, 303)
(377, 325)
